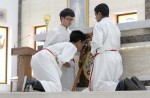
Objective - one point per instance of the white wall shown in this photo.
(34, 11)
(136, 61)
(118, 7)
(12, 23)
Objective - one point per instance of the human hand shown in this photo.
(67, 65)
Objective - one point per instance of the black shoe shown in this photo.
(126, 85)
(27, 84)
(136, 81)
(120, 86)
(129, 85)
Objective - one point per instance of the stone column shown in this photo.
(19, 33)
(147, 9)
(19, 21)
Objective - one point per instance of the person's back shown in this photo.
(105, 45)
(111, 35)
(47, 63)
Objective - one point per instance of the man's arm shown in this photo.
(51, 38)
(97, 39)
(67, 54)
(67, 65)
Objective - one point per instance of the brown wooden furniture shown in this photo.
(82, 59)
(24, 68)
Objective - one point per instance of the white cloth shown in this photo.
(57, 35)
(45, 67)
(69, 74)
(108, 64)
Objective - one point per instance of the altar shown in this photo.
(135, 48)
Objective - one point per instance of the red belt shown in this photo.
(92, 70)
(53, 54)
(95, 55)
(111, 50)
(93, 67)
(48, 50)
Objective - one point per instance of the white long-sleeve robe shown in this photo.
(108, 64)
(45, 67)
(57, 35)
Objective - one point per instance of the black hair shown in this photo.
(103, 9)
(67, 12)
(77, 35)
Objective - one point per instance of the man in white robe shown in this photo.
(61, 34)
(47, 63)
(105, 45)
(45, 67)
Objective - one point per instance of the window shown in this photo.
(3, 54)
(39, 30)
(128, 17)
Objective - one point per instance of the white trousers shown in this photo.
(47, 71)
(107, 71)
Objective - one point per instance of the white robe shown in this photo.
(108, 64)
(46, 66)
(57, 35)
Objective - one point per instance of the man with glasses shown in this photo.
(62, 34)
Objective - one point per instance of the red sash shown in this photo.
(48, 50)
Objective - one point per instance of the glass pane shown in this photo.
(40, 30)
(127, 18)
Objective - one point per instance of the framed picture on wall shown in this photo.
(3, 54)
(80, 8)
(127, 17)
